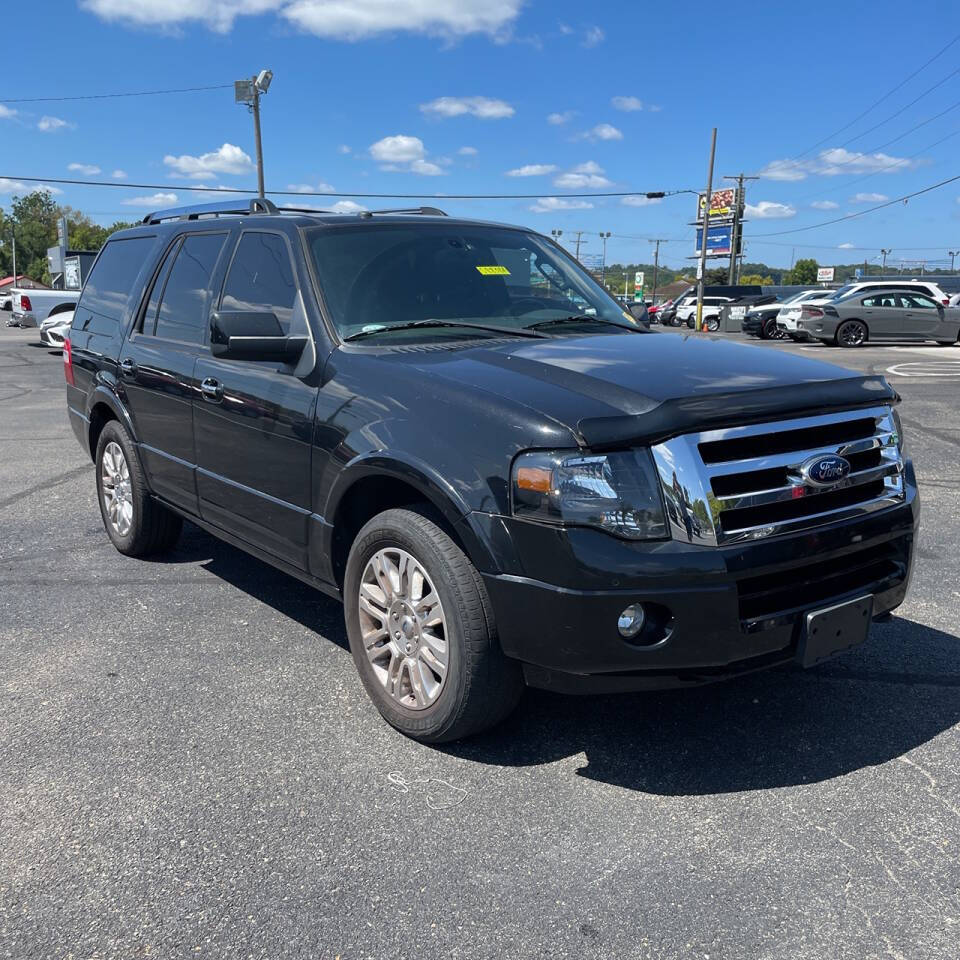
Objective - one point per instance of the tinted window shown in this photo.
(149, 322)
(183, 307)
(108, 288)
(261, 278)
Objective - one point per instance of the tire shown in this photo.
(851, 333)
(140, 526)
(769, 330)
(711, 324)
(479, 685)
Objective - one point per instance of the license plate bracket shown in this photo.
(832, 630)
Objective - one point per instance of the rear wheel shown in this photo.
(422, 632)
(134, 521)
(770, 330)
(851, 333)
(711, 323)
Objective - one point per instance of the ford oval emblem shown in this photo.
(825, 470)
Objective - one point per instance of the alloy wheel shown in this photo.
(852, 334)
(404, 628)
(116, 490)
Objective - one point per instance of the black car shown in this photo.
(452, 428)
(760, 319)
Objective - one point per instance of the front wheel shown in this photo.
(770, 330)
(711, 323)
(422, 632)
(851, 333)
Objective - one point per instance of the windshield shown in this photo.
(401, 273)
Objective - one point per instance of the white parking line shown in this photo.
(926, 368)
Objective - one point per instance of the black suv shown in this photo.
(453, 428)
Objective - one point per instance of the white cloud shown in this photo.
(343, 148)
(824, 205)
(836, 162)
(404, 154)
(119, 174)
(549, 204)
(844, 246)
(345, 20)
(468, 151)
(593, 37)
(226, 159)
(154, 200)
(6, 112)
(532, 170)
(639, 201)
(869, 198)
(87, 169)
(558, 119)
(589, 174)
(626, 104)
(52, 124)
(565, 29)
(602, 131)
(768, 210)
(15, 186)
(310, 188)
(483, 107)
(341, 206)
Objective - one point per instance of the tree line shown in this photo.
(33, 220)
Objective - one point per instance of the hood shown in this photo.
(612, 389)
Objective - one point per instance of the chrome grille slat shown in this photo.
(739, 501)
(770, 486)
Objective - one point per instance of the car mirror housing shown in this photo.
(252, 335)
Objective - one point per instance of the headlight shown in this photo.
(898, 426)
(616, 492)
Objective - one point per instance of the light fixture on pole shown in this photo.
(248, 92)
(884, 253)
(603, 263)
(953, 253)
(556, 234)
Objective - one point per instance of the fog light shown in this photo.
(630, 622)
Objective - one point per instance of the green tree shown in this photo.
(756, 280)
(718, 276)
(35, 221)
(804, 271)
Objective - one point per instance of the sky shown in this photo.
(511, 97)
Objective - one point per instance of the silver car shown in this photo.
(890, 314)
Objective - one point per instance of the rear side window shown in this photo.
(110, 284)
(184, 302)
(261, 278)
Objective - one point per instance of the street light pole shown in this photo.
(603, 262)
(248, 92)
(656, 266)
(953, 254)
(255, 106)
(885, 252)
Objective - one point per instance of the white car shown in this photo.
(687, 311)
(792, 308)
(788, 318)
(54, 330)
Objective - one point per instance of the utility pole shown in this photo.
(952, 253)
(701, 269)
(737, 228)
(884, 252)
(248, 92)
(579, 234)
(656, 267)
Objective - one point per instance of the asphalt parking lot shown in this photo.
(190, 766)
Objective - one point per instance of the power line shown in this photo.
(863, 213)
(166, 187)
(877, 103)
(110, 96)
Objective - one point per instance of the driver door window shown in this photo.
(261, 278)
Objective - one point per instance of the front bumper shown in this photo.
(720, 611)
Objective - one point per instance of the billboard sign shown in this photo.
(825, 274)
(723, 204)
(71, 274)
(719, 240)
(638, 286)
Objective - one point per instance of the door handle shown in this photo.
(211, 389)
(128, 367)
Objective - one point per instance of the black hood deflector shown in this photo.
(705, 412)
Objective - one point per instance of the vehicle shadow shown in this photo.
(773, 729)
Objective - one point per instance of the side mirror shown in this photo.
(252, 335)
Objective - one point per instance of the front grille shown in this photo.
(817, 583)
(747, 483)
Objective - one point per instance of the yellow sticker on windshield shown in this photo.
(494, 271)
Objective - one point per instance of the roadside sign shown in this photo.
(55, 260)
(719, 240)
(71, 274)
(858, 273)
(638, 286)
(825, 274)
(723, 204)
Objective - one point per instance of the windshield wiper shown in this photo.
(582, 318)
(419, 324)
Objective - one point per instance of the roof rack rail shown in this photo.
(419, 211)
(222, 208)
